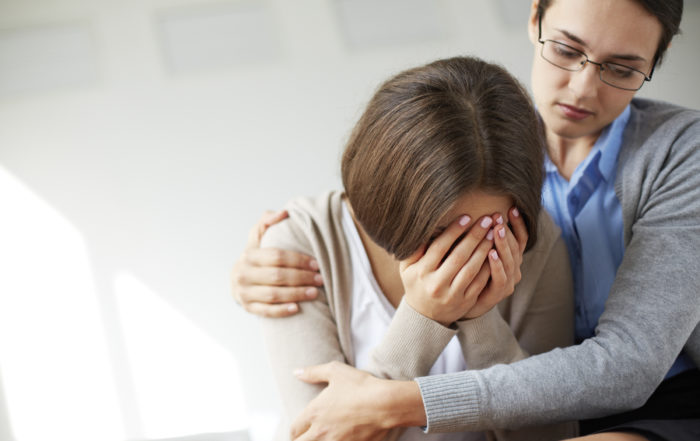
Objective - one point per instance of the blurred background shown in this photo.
(140, 140)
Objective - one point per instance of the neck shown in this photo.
(568, 153)
(384, 266)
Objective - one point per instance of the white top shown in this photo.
(371, 315)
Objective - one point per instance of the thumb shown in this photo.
(272, 217)
(266, 220)
(320, 373)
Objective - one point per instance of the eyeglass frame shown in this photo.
(601, 66)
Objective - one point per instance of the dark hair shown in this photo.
(431, 134)
(668, 12)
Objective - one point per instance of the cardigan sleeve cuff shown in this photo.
(411, 345)
(451, 402)
(488, 340)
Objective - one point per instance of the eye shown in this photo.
(619, 71)
(562, 50)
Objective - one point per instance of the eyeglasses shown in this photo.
(568, 58)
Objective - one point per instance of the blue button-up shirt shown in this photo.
(589, 214)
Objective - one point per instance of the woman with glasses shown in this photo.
(623, 183)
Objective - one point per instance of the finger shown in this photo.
(498, 287)
(441, 245)
(306, 436)
(275, 310)
(272, 217)
(274, 276)
(519, 228)
(268, 218)
(504, 248)
(463, 251)
(494, 291)
(280, 258)
(320, 373)
(469, 271)
(300, 426)
(277, 294)
(476, 287)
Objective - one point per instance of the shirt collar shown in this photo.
(609, 144)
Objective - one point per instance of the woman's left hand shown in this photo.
(504, 261)
(355, 406)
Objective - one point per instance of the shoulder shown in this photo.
(549, 244)
(660, 127)
(311, 219)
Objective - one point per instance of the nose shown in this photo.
(584, 83)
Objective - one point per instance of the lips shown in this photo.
(572, 112)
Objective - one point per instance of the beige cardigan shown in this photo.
(536, 318)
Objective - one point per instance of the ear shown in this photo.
(532, 27)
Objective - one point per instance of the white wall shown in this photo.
(140, 139)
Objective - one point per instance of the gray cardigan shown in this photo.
(652, 313)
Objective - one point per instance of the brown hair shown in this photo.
(668, 12)
(431, 134)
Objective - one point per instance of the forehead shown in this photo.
(607, 26)
(477, 204)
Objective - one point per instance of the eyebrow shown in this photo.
(575, 39)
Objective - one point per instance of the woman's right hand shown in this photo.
(463, 274)
(270, 282)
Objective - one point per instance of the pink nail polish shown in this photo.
(318, 279)
(516, 213)
(502, 233)
(489, 235)
(499, 220)
(493, 254)
(486, 222)
(311, 293)
(313, 265)
(292, 308)
(464, 220)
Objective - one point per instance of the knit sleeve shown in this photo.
(307, 338)
(651, 312)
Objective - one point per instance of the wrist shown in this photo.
(402, 404)
(426, 311)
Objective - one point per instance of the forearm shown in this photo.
(410, 346)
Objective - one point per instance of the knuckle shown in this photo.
(277, 257)
(277, 276)
(239, 278)
(272, 296)
(433, 290)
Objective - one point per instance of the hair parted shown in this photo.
(668, 12)
(431, 134)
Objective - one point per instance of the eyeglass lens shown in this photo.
(617, 75)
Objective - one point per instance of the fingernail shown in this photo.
(502, 233)
(499, 220)
(298, 372)
(516, 213)
(493, 254)
(464, 220)
(311, 293)
(292, 308)
(486, 222)
(313, 265)
(318, 279)
(489, 235)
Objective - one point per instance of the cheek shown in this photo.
(614, 101)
